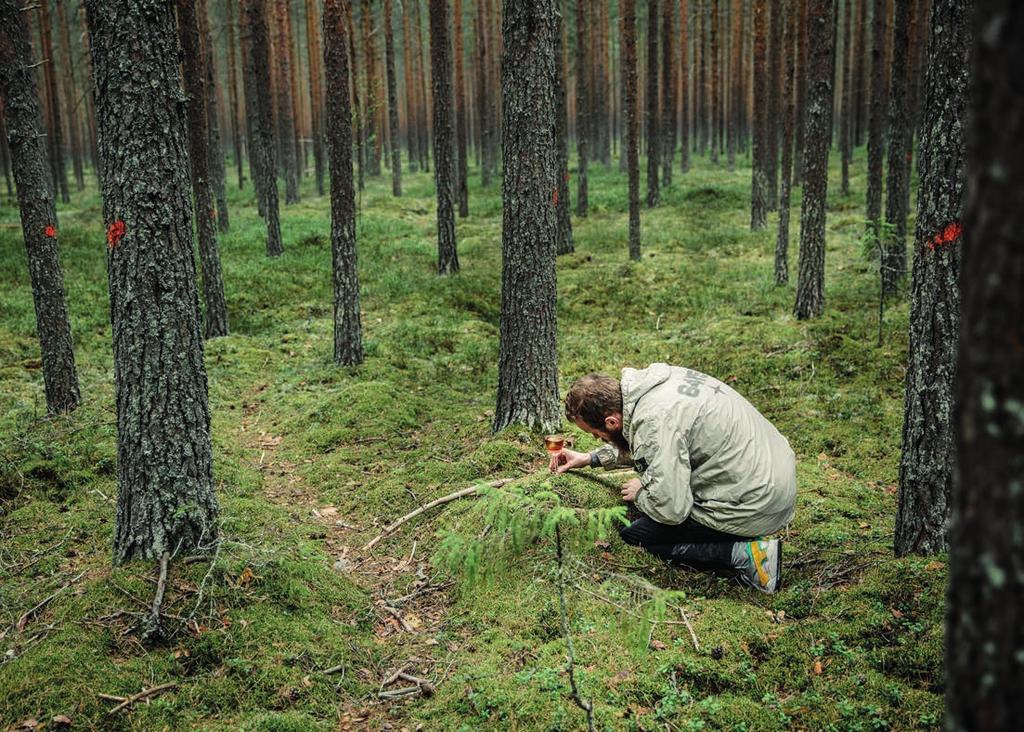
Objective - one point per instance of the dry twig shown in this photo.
(145, 694)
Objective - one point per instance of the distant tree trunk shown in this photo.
(632, 126)
(528, 365)
(759, 191)
(461, 118)
(411, 100)
(684, 91)
(774, 106)
(194, 74)
(700, 79)
(894, 260)
(444, 137)
(583, 117)
(166, 500)
(713, 110)
(251, 111)
(802, 64)
(215, 154)
(926, 465)
(789, 120)
(810, 291)
(668, 91)
(262, 150)
(876, 122)
(285, 102)
(983, 631)
(389, 64)
(653, 191)
(68, 88)
(358, 114)
(860, 56)
(735, 86)
(58, 166)
(373, 91)
(317, 95)
(845, 124)
(236, 128)
(424, 126)
(563, 228)
(483, 98)
(348, 338)
(23, 122)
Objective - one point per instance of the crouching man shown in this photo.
(715, 475)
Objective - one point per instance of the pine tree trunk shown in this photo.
(409, 71)
(926, 465)
(986, 561)
(316, 95)
(759, 182)
(583, 116)
(348, 339)
(483, 98)
(55, 129)
(389, 64)
(373, 92)
(684, 91)
(263, 148)
(714, 81)
(23, 122)
(236, 128)
(876, 122)
(285, 102)
(195, 77)
(215, 154)
(166, 500)
(563, 229)
(810, 292)
(860, 74)
(734, 86)
(894, 258)
(651, 118)
(788, 122)
(774, 106)
(632, 124)
(444, 137)
(668, 92)
(700, 127)
(68, 87)
(358, 112)
(802, 65)
(845, 125)
(528, 366)
(424, 126)
(461, 119)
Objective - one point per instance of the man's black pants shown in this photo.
(689, 544)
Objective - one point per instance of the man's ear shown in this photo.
(613, 422)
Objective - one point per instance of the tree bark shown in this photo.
(55, 129)
(668, 92)
(483, 97)
(845, 124)
(788, 122)
(462, 184)
(926, 464)
(632, 124)
(774, 107)
(348, 339)
(759, 184)
(651, 117)
(801, 95)
(583, 116)
(215, 154)
(263, 148)
(194, 75)
(714, 71)
(23, 122)
(236, 128)
(735, 87)
(285, 102)
(876, 122)
(684, 91)
(986, 562)
(166, 500)
(372, 126)
(894, 259)
(563, 228)
(411, 98)
(810, 292)
(528, 367)
(389, 64)
(358, 112)
(444, 137)
(68, 88)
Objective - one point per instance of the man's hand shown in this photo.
(564, 460)
(629, 490)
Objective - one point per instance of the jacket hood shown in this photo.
(635, 384)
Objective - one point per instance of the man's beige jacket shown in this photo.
(702, 450)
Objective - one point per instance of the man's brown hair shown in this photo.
(592, 398)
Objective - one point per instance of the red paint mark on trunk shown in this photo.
(554, 197)
(51, 231)
(947, 236)
(115, 232)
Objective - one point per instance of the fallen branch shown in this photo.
(425, 686)
(29, 614)
(696, 643)
(399, 693)
(145, 694)
(436, 502)
(151, 626)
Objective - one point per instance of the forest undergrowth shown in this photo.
(289, 624)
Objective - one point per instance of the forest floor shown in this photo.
(291, 625)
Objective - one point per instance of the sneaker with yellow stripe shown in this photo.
(759, 563)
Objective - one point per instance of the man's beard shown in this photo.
(619, 441)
